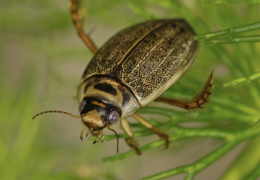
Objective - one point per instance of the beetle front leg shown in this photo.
(130, 140)
(150, 126)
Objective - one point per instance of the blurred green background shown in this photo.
(42, 60)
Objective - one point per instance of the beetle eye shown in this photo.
(113, 117)
(82, 105)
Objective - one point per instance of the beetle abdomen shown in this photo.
(147, 57)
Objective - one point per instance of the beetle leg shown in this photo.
(198, 99)
(130, 140)
(76, 20)
(150, 126)
(99, 135)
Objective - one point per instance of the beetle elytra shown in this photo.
(133, 69)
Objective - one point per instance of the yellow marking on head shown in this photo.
(99, 104)
(93, 120)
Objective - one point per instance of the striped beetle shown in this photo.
(133, 69)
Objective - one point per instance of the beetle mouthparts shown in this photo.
(81, 133)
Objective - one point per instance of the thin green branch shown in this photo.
(189, 177)
(255, 125)
(141, 133)
(251, 151)
(243, 113)
(232, 138)
(140, 11)
(153, 145)
(255, 174)
(228, 32)
(242, 81)
(183, 133)
(180, 133)
(232, 39)
(194, 168)
(232, 1)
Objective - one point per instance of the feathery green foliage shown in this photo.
(41, 63)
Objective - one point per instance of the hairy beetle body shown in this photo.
(131, 70)
(147, 58)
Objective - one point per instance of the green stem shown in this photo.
(180, 133)
(255, 173)
(232, 39)
(191, 170)
(242, 81)
(246, 160)
(153, 145)
(226, 32)
(177, 116)
(196, 167)
(232, 1)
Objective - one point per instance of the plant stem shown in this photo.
(226, 32)
(242, 81)
(196, 167)
(246, 160)
(232, 39)
(254, 174)
(232, 1)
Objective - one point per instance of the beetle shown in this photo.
(133, 69)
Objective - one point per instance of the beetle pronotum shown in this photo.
(133, 69)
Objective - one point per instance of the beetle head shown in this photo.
(97, 115)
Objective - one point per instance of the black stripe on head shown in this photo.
(106, 88)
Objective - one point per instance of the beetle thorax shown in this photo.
(109, 91)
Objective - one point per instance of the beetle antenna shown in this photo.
(116, 136)
(56, 112)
